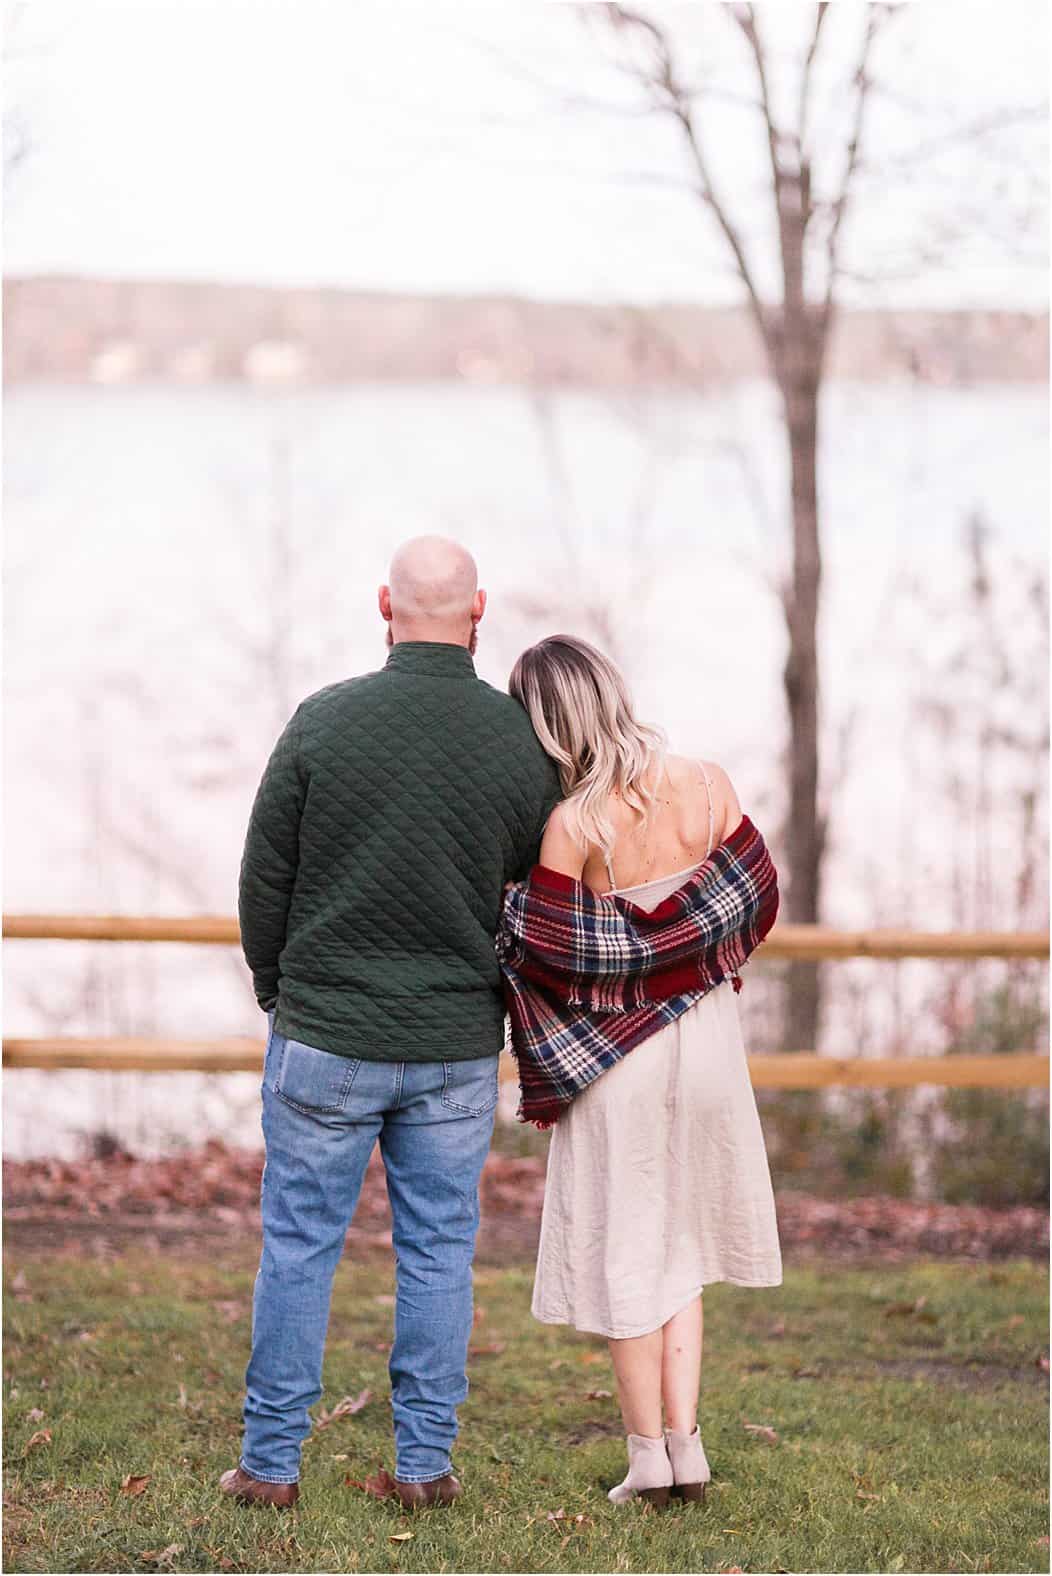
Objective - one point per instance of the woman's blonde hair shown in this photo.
(581, 712)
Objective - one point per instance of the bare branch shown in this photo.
(805, 84)
(790, 224)
(874, 18)
(1031, 115)
(669, 92)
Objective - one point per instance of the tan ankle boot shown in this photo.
(649, 1472)
(690, 1470)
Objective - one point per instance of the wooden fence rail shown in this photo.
(784, 941)
(790, 1070)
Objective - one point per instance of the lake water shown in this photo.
(182, 566)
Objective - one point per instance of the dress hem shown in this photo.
(649, 1328)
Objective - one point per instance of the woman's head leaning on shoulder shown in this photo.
(582, 714)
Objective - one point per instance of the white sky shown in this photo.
(432, 148)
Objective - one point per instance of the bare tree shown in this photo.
(809, 200)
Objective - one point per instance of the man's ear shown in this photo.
(478, 606)
(383, 598)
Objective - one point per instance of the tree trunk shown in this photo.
(805, 832)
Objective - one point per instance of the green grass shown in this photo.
(909, 1442)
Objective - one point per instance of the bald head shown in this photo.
(432, 592)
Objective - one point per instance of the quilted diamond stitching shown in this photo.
(392, 810)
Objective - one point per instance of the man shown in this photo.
(393, 809)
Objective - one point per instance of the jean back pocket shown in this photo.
(313, 1080)
(471, 1087)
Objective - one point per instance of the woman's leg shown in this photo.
(681, 1341)
(637, 1365)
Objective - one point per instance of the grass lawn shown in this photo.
(910, 1435)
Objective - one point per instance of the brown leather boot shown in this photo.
(240, 1485)
(417, 1496)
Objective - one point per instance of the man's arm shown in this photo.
(553, 794)
(269, 862)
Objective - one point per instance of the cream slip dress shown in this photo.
(657, 1180)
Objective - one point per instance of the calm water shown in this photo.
(183, 566)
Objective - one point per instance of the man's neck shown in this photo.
(436, 657)
(412, 634)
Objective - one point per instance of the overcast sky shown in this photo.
(444, 147)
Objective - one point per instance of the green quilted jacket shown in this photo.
(392, 811)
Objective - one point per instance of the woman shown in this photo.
(619, 956)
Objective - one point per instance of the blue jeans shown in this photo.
(322, 1115)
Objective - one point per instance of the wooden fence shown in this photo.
(789, 1070)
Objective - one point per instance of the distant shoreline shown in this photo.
(193, 333)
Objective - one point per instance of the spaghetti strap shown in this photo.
(609, 869)
(708, 790)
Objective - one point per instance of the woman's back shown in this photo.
(694, 808)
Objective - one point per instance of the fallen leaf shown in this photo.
(132, 1485)
(226, 1563)
(911, 1310)
(1015, 1321)
(182, 1396)
(762, 1431)
(493, 1350)
(162, 1556)
(230, 1311)
(341, 1457)
(861, 1494)
(1041, 1361)
(777, 1330)
(599, 1395)
(380, 1485)
(41, 1437)
(556, 1515)
(345, 1408)
(593, 1357)
(34, 1414)
(399, 1537)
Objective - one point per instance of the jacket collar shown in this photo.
(433, 658)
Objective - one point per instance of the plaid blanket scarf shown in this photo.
(589, 976)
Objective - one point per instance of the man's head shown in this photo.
(432, 593)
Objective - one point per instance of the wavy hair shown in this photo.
(582, 714)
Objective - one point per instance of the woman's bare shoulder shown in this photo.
(727, 810)
(560, 849)
(724, 797)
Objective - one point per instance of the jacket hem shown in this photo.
(391, 1047)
